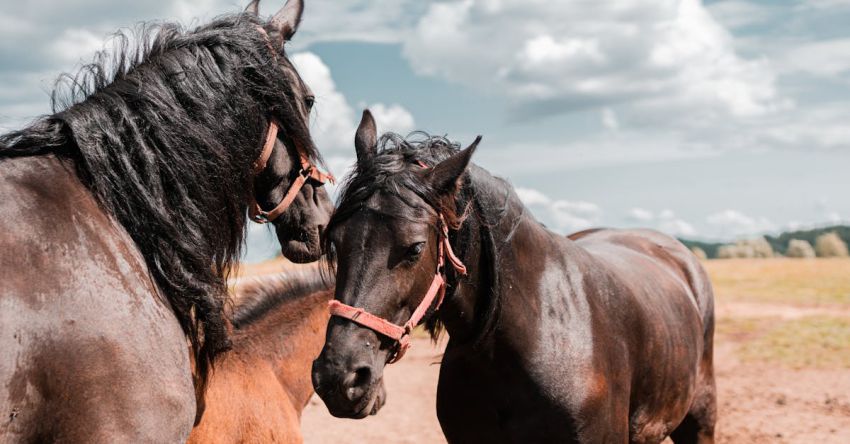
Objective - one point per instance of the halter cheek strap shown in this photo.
(401, 333)
(307, 171)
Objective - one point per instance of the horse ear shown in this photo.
(366, 138)
(253, 8)
(445, 177)
(286, 20)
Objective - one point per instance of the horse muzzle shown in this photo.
(350, 387)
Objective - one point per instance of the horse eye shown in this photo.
(415, 250)
(309, 101)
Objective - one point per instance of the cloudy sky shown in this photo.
(712, 119)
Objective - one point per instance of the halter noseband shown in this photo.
(307, 171)
(401, 333)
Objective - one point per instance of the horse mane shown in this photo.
(390, 171)
(256, 297)
(163, 132)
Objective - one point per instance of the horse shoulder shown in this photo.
(81, 318)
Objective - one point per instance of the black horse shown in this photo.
(605, 336)
(122, 214)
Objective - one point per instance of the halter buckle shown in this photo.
(261, 218)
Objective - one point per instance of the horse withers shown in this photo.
(122, 214)
(603, 336)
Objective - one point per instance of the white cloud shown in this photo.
(570, 216)
(674, 226)
(739, 13)
(666, 214)
(334, 120)
(393, 118)
(826, 58)
(76, 45)
(677, 227)
(376, 21)
(732, 223)
(610, 120)
(665, 221)
(530, 197)
(641, 215)
(670, 53)
(560, 215)
(833, 217)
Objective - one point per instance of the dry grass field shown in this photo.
(783, 349)
(782, 362)
(793, 312)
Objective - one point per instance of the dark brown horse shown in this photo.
(602, 337)
(122, 212)
(260, 386)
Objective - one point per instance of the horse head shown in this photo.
(390, 237)
(288, 190)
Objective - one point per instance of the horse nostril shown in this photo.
(359, 383)
(363, 376)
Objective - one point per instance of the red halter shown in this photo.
(307, 171)
(401, 333)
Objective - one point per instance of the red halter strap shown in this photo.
(401, 333)
(307, 171)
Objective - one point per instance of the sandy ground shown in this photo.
(758, 402)
(409, 416)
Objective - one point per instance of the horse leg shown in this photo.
(463, 409)
(698, 425)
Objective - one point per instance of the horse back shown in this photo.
(664, 255)
(88, 343)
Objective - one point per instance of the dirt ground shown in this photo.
(757, 404)
(765, 394)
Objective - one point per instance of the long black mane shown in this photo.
(163, 132)
(392, 170)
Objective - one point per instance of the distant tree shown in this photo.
(799, 248)
(699, 253)
(830, 245)
(780, 243)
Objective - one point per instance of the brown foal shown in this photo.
(258, 389)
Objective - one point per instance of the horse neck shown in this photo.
(287, 340)
(496, 219)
